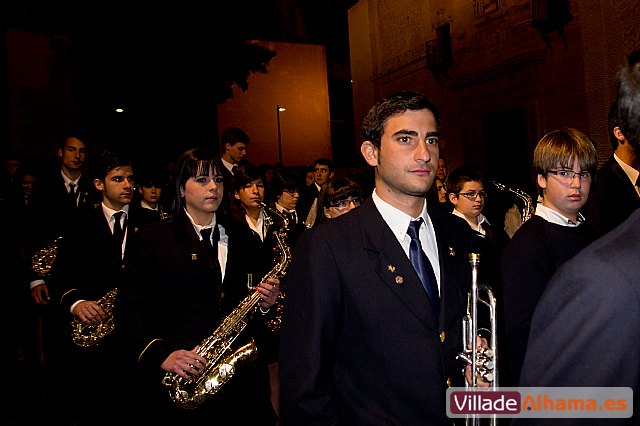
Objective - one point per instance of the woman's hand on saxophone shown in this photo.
(89, 312)
(269, 291)
(186, 364)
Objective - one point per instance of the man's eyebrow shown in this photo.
(406, 132)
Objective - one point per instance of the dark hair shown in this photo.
(397, 103)
(322, 161)
(232, 136)
(193, 162)
(110, 160)
(333, 192)
(76, 134)
(285, 181)
(244, 175)
(612, 123)
(461, 175)
(628, 85)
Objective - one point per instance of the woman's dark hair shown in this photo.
(244, 175)
(333, 192)
(192, 163)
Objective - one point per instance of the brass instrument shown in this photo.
(528, 208)
(222, 360)
(274, 324)
(86, 335)
(483, 361)
(43, 259)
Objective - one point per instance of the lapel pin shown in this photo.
(452, 252)
(194, 256)
(391, 268)
(399, 280)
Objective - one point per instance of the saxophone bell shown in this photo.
(42, 260)
(86, 335)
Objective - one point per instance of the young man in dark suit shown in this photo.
(614, 193)
(89, 265)
(365, 339)
(593, 301)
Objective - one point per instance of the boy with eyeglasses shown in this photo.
(565, 162)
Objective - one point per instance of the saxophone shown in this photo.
(222, 360)
(528, 209)
(86, 335)
(43, 259)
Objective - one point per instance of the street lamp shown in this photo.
(279, 109)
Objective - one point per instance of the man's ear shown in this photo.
(326, 212)
(453, 199)
(369, 152)
(60, 152)
(617, 132)
(98, 184)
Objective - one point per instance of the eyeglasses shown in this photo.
(290, 191)
(569, 175)
(343, 204)
(472, 195)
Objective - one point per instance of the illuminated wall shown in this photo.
(297, 80)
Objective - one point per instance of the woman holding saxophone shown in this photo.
(175, 301)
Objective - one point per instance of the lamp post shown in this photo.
(279, 109)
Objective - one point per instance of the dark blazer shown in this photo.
(89, 261)
(359, 342)
(591, 303)
(612, 198)
(173, 299)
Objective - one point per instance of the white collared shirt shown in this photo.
(258, 228)
(228, 165)
(399, 222)
(554, 217)
(476, 227)
(223, 242)
(630, 172)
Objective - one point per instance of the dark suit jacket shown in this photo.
(584, 327)
(612, 198)
(89, 262)
(359, 340)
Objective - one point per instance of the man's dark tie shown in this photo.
(212, 247)
(423, 267)
(234, 169)
(118, 230)
(73, 196)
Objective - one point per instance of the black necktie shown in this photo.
(72, 194)
(118, 231)
(423, 267)
(234, 169)
(212, 247)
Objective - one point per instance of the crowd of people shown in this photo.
(231, 291)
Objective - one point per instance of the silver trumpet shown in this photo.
(483, 361)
